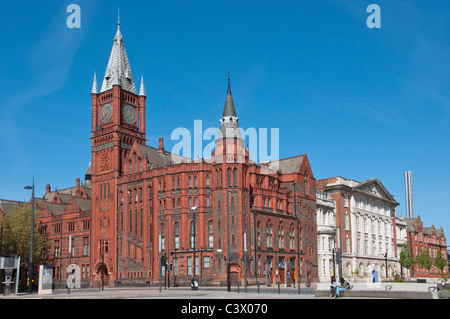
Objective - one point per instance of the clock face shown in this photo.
(129, 114)
(105, 114)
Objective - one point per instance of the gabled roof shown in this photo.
(10, 206)
(289, 165)
(158, 158)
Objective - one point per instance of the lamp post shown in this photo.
(228, 241)
(194, 281)
(385, 260)
(30, 274)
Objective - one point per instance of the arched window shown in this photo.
(292, 236)
(281, 236)
(229, 177)
(269, 235)
(235, 177)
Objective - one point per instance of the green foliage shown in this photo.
(406, 257)
(423, 258)
(17, 239)
(440, 262)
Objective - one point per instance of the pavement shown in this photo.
(172, 293)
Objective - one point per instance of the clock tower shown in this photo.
(118, 121)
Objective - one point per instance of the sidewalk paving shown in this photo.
(172, 293)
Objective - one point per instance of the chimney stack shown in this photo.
(161, 145)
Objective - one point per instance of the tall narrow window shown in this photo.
(163, 242)
(192, 235)
(176, 236)
(235, 177)
(210, 234)
(269, 235)
(229, 177)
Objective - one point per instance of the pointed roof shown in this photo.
(229, 123)
(118, 71)
(142, 88)
(94, 85)
(229, 104)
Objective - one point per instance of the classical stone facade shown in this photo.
(365, 228)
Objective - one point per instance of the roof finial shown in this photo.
(229, 87)
(118, 15)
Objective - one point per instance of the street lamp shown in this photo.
(194, 281)
(30, 274)
(228, 241)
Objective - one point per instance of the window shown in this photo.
(206, 262)
(346, 200)
(207, 181)
(258, 234)
(163, 242)
(71, 226)
(175, 266)
(235, 177)
(210, 234)
(280, 236)
(192, 234)
(195, 181)
(189, 182)
(103, 246)
(269, 235)
(347, 221)
(85, 246)
(292, 237)
(56, 248)
(189, 266)
(176, 230)
(229, 176)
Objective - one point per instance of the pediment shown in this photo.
(375, 188)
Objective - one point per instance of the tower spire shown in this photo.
(94, 85)
(142, 88)
(118, 71)
(229, 123)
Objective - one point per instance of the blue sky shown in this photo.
(362, 103)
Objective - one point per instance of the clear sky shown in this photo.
(361, 102)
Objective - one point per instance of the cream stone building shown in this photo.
(364, 227)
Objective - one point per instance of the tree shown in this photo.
(406, 257)
(440, 262)
(423, 258)
(17, 239)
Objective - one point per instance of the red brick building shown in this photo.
(425, 238)
(64, 213)
(142, 199)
